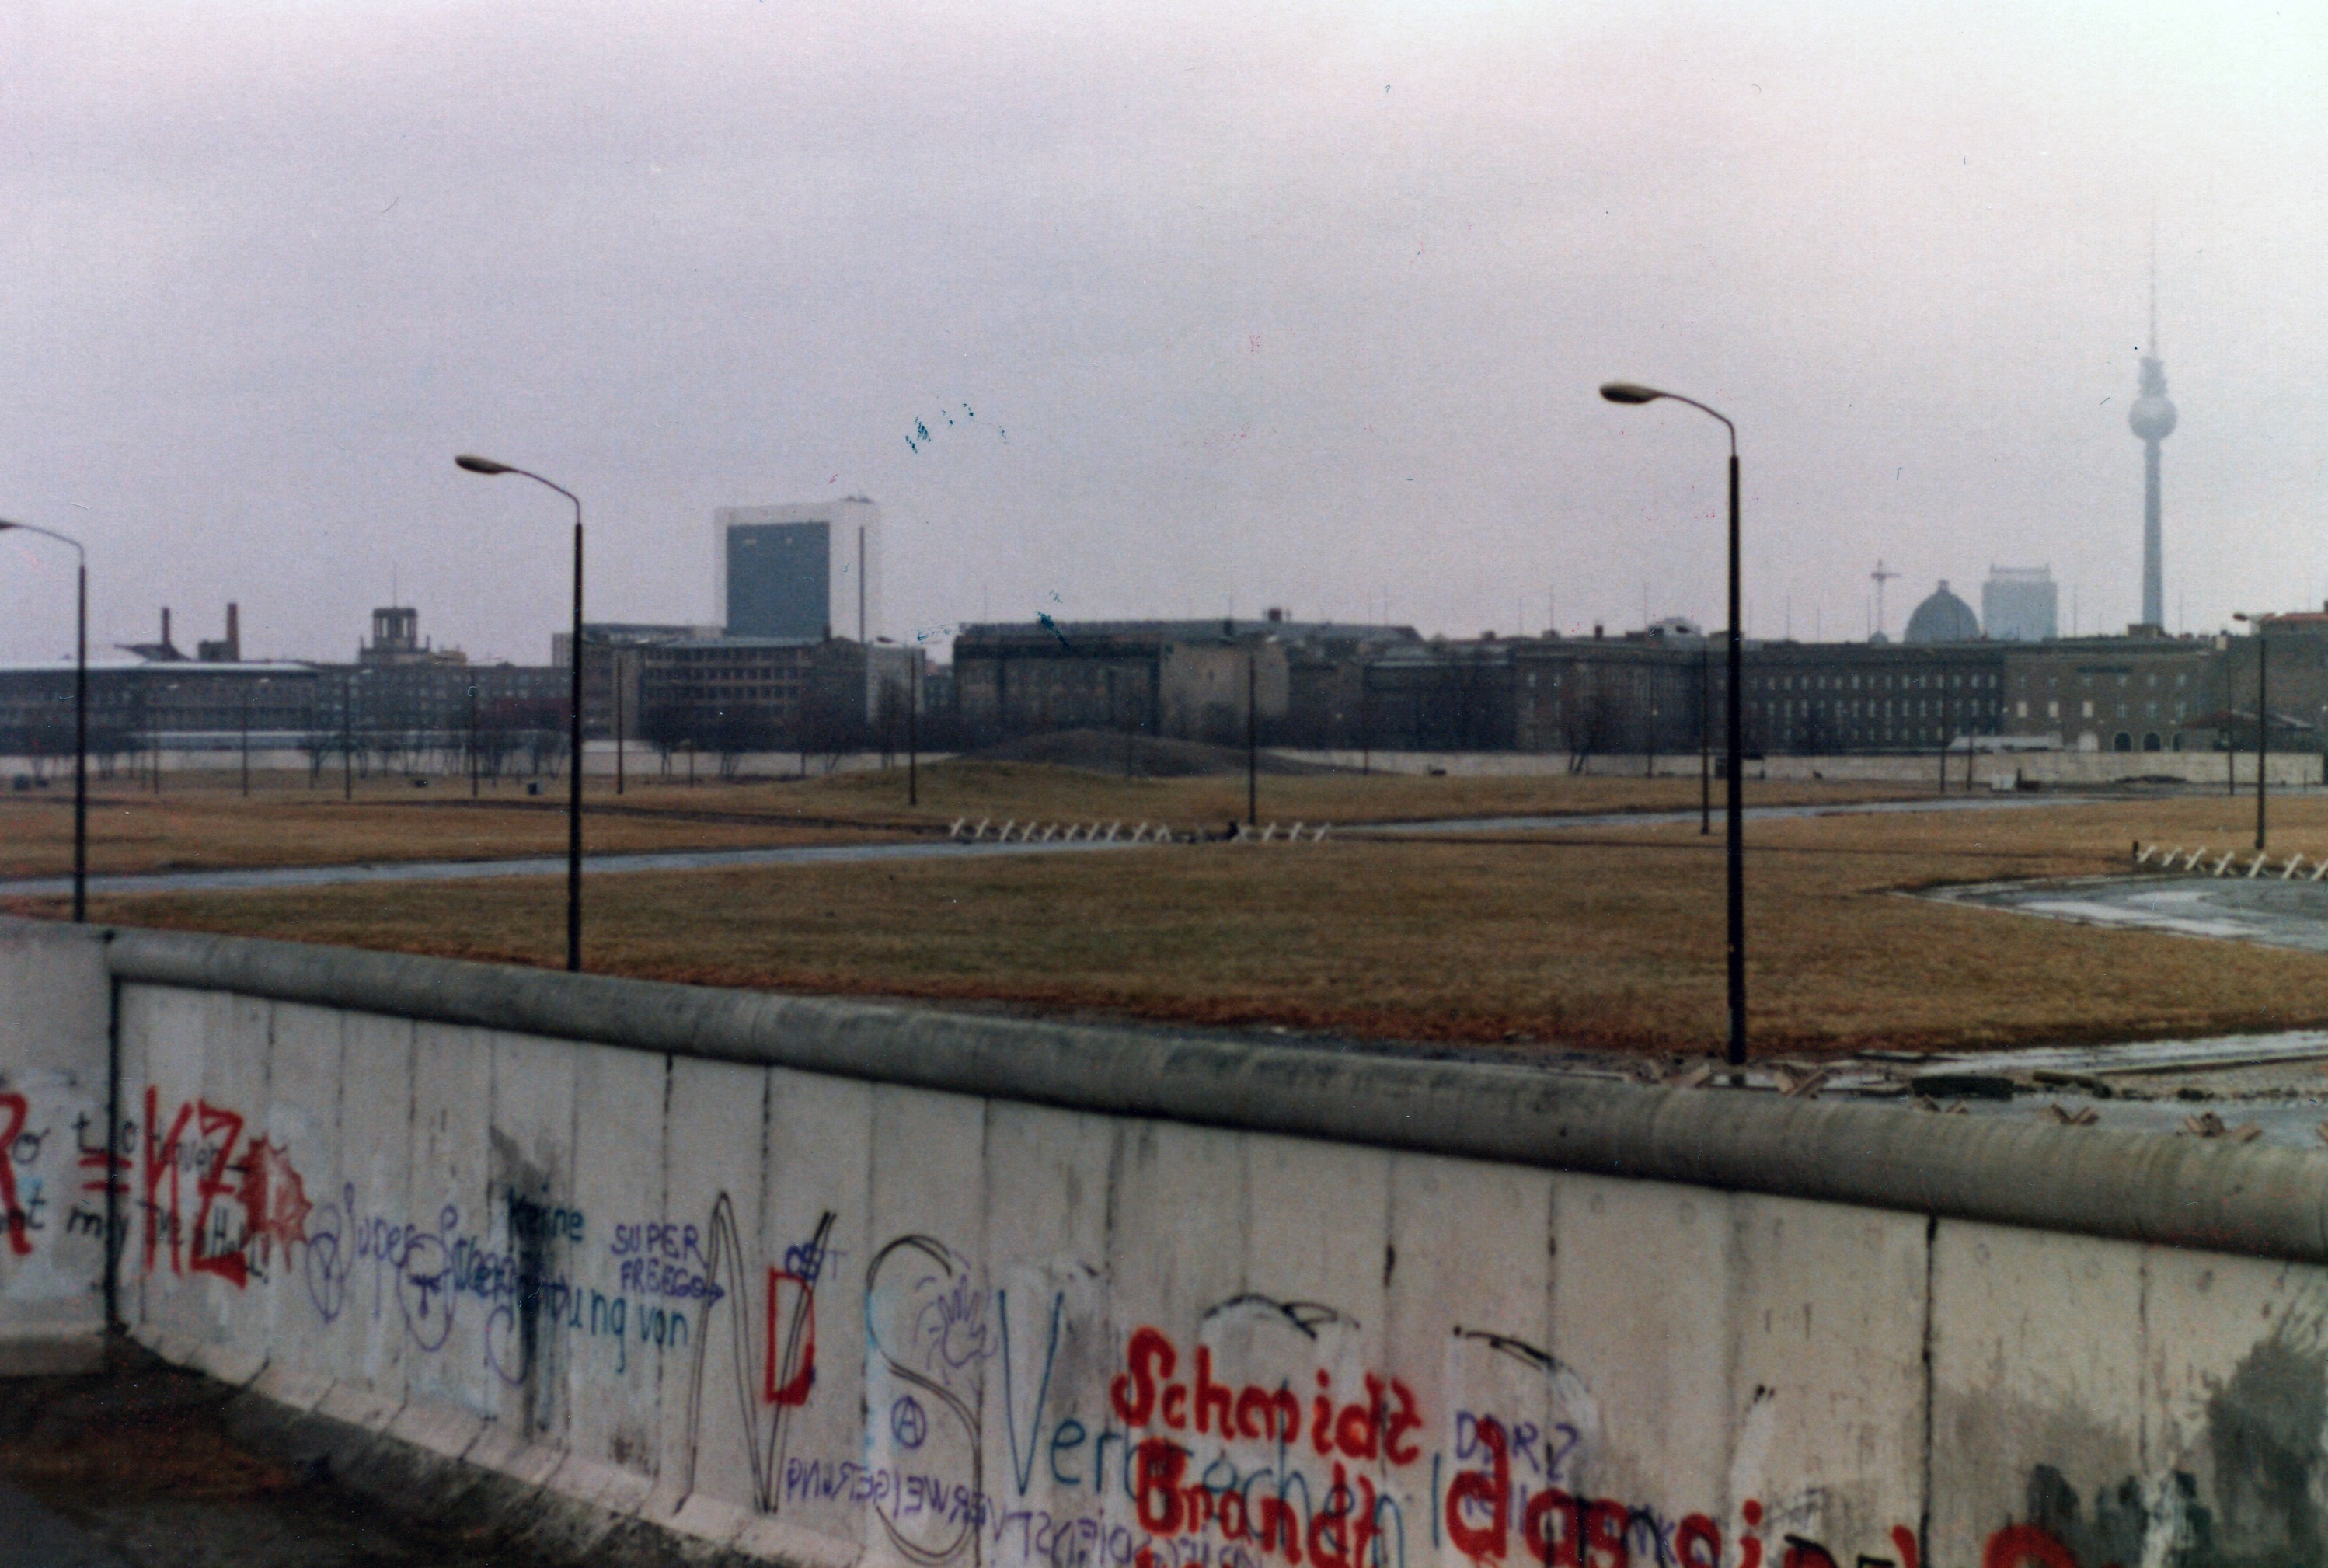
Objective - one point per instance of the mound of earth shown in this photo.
(1140, 755)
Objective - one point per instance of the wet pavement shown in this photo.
(2265, 909)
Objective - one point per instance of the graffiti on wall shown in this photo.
(1013, 1421)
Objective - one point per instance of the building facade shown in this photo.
(2020, 604)
(800, 571)
(2138, 694)
(1184, 679)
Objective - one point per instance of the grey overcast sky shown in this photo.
(1227, 304)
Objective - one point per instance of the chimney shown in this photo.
(1276, 615)
(233, 633)
(165, 625)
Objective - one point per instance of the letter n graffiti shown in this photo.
(791, 1337)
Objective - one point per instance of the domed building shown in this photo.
(1942, 618)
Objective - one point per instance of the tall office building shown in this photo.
(800, 571)
(2020, 604)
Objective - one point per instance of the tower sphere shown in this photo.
(2151, 418)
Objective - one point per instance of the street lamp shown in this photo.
(486, 465)
(348, 734)
(250, 695)
(1705, 736)
(1252, 736)
(912, 715)
(1627, 392)
(2263, 711)
(80, 713)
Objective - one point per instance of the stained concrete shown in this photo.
(987, 1292)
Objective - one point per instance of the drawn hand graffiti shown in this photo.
(926, 1338)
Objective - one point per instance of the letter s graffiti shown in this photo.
(902, 1280)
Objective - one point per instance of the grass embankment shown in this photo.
(1606, 937)
(202, 821)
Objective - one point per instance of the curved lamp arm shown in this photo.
(1629, 392)
(7, 523)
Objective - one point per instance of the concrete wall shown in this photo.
(845, 1283)
(55, 1033)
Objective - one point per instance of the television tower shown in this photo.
(2152, 418)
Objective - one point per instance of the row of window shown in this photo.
(1902, 708)
(1977, 680)
(2053, 711)
(2086, 678)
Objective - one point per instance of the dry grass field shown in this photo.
(1604, 937)
(201, 821)
(208, 826)
(1002, 790)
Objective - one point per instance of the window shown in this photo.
(2089, 708)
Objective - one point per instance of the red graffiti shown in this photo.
(270, 1193)
(1697, 1543)
(1483, 1492)
(274, 1199)
(2026, 1546)
(226, 1263)
(1567, 1532)
(1342, 1534)
(1378, 1428)
(792, 1358)
(19, 1239)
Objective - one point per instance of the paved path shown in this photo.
(266, 877)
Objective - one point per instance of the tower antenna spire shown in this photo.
(2154, 289)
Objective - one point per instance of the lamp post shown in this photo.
(153, 713)
(348, 736)
(1705, 736)
(2263, 713)
(616, 654)
(913, 712)
(81, 713)
(1627, 392)
(1252, 736)
(248, 698)
(486, 465)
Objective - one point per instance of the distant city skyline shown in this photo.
(1119, 316)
